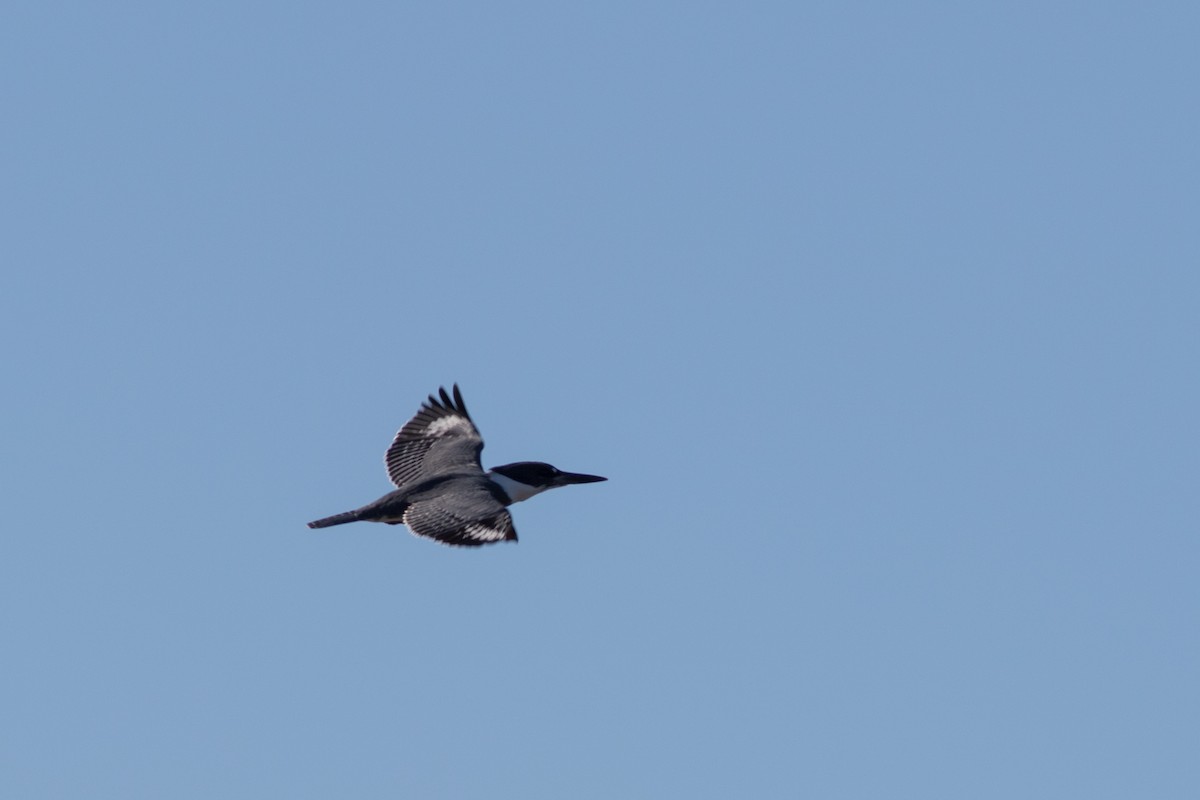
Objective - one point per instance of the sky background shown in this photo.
(882, 319)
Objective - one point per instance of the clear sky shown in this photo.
(882, 319)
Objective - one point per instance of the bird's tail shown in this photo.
(336, 519)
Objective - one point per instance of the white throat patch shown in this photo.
(516, 490)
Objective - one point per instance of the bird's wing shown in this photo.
(439, 439)
(468, 515)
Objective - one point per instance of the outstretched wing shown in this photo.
(438, 440)
(466, 515)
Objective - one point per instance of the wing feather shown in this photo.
(477, 519)
(439, 439)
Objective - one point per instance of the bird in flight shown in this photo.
(443, 492)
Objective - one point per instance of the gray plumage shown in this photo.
(443, 492)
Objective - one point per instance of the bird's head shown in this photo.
(524, 479)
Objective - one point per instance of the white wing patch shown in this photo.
(484, 533)
(452, 425)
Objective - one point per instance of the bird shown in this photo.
(442, 490)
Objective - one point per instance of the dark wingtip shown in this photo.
(443, 401)
(462, 407)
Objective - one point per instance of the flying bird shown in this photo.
(443, 492)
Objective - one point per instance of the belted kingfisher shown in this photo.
(443, 492)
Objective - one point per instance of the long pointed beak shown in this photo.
(567, 478)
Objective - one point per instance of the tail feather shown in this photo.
(336, 519)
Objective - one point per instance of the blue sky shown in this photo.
(882, 321)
